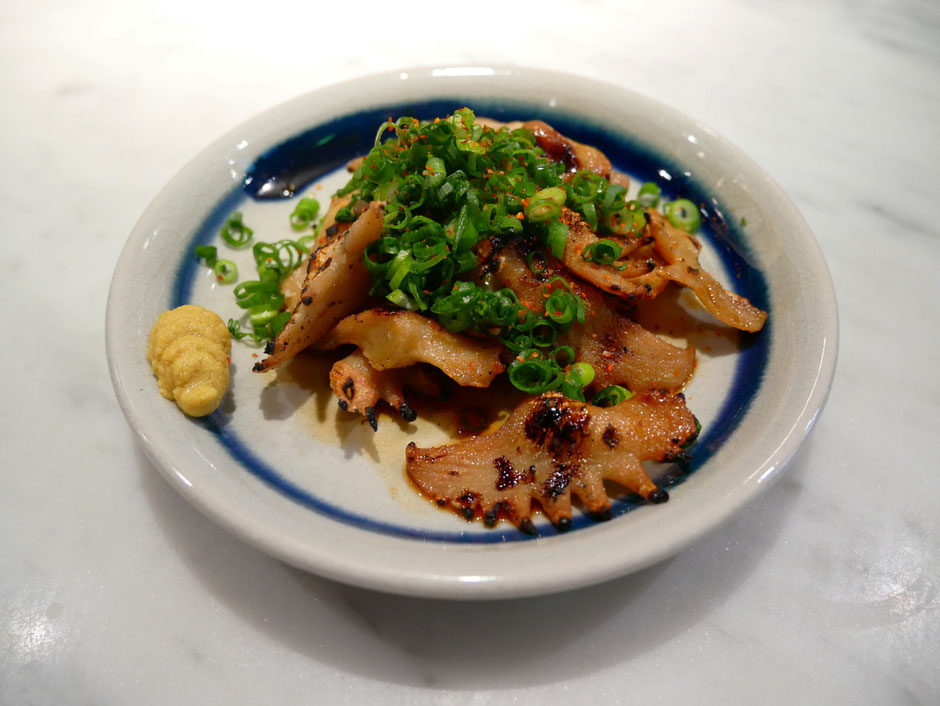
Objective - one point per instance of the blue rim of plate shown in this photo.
(321, 149)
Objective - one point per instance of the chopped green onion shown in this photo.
(683, 214)
(541, 211)
(436, 171)
(234, 232)
(399, 298)
(225, 271)
(649, 195)
(304, 213)
(557, 238)
(611, 395)
(603, 252)
(209, 253)
(581, 374)
(534, 376)
(261, 314)
(344, 215)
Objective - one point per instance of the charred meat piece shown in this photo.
(337, 284)
(575, 155)
(394, 338)
(359, 387)
(663, 254)
(620, 350)
(559, 148)
(549, 449)
(636, 275)
(680, 250)
(329, 229)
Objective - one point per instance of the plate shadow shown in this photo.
(465, 644)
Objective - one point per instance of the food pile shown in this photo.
(478, 249)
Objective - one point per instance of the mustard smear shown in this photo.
(188, 351)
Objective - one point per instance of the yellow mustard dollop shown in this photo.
(188, 351)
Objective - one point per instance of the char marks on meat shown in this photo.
(620, 350)
(336, 285)
(359, 387)
(662, 254)
(550, 449)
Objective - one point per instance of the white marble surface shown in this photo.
(113, 590)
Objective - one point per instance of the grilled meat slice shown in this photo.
(620, 350)
(394, 338)
(337, 285)
(680, 251)
(551, 448)
(359, 387)
(663, 254)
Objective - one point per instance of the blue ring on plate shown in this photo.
(310, 155)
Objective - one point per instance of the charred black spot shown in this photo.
(563, 524)
(557, 482)
(489, 517)
(343, 405)
(527, 527)
(602, 515)
(466, 498)
(441, 502)
(658, 496)
(406, 412)
(349, 388)
(307, 301)
(680, 457)
(332, 230)
(467, 512)
(370, 415)
(554, 424)
(258, 367)
(610, 436)
(508, 478)
(269, 348)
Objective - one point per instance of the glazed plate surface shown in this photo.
(279, 465)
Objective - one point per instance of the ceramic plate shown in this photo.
(279, 465)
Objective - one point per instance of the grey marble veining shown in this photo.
(113, 590)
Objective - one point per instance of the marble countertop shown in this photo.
(114, 590)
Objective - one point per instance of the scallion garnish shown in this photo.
(304, 213)
(683, 214)
(209, 253)
(610, 396)
(225, 271)
(449, 184)
(649, 195)
(235, 232)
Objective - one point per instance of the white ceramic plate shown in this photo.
(278, 465)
